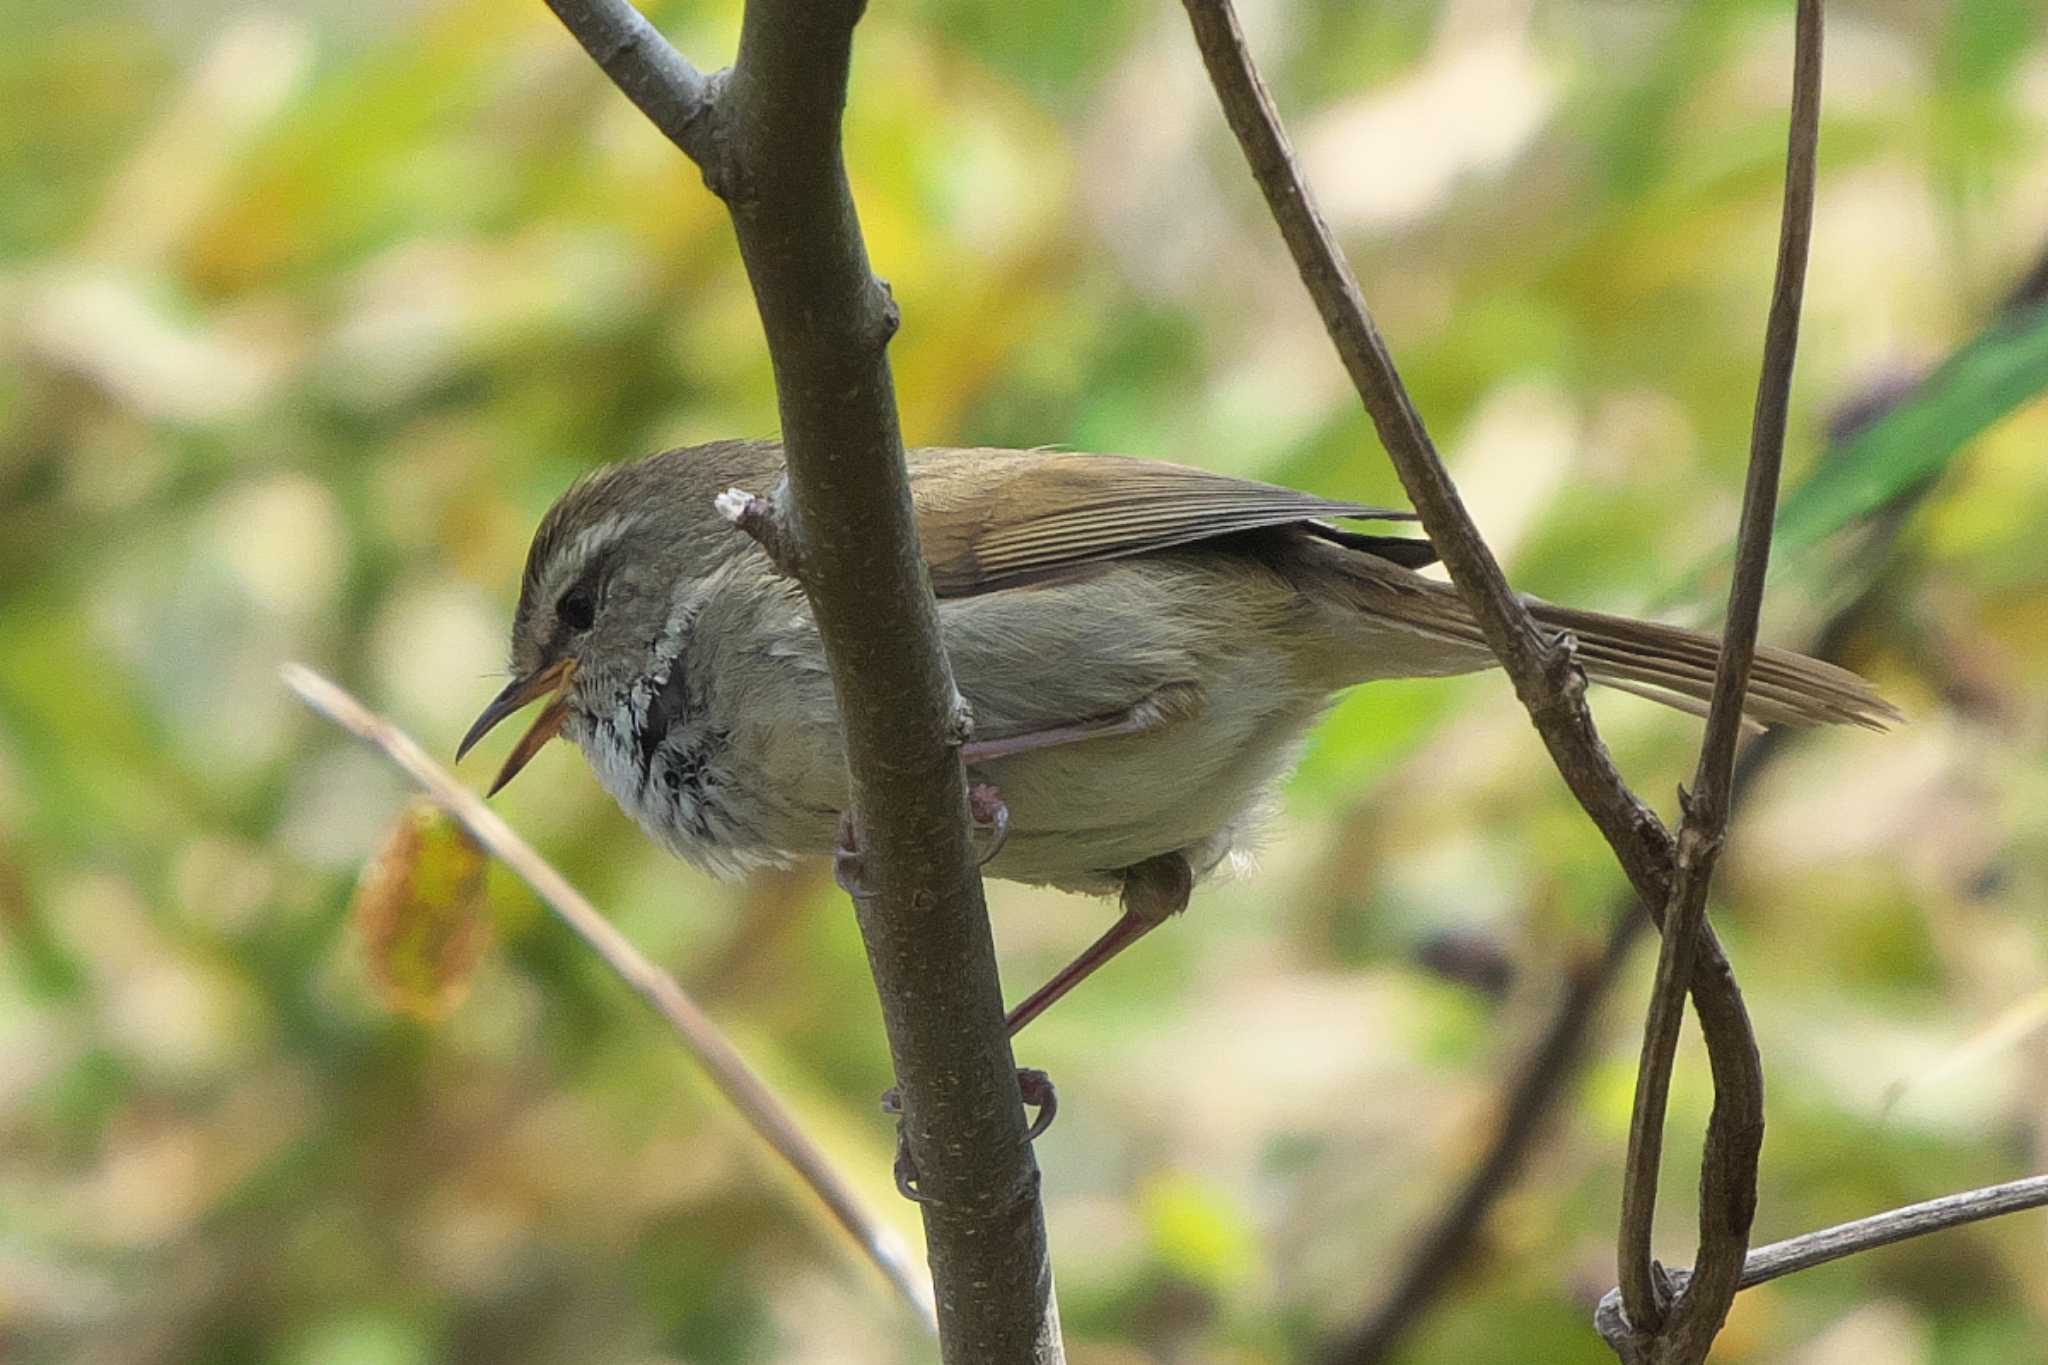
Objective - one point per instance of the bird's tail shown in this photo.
(1667, 664)
(1677, 667)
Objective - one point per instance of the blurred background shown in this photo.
(307, 313)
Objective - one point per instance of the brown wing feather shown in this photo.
(994, 517)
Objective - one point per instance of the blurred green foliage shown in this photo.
(1977, 386)
(308, 315)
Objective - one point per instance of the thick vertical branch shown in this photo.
(1728, 1169)
(768, 137)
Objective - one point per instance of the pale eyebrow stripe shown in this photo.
(588, 544)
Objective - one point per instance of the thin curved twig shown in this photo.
(756, 1103)
(1541, 665)
(1545, 674)
(1735, 1132)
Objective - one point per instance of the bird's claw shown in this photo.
(1038, 1091)
(906, 1171)
(1039, 1094)
(989, 811)
(849, 864)
(905, 1167)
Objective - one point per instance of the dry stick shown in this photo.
(767, 136)
(1812, 1249)
(1728, 1167)
(1894, 1225)
(756, 1103)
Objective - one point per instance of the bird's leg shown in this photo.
(1167, 704)
(1154, 891)
(985, 801)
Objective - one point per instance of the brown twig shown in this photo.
(1812, 1249)
(700, 1037)
(675, 96)
(1545, 674)
(1684, 1329)
(767, 135)
(1894, 1225)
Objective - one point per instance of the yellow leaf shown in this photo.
(419, 911)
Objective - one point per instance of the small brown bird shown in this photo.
(1143, 645)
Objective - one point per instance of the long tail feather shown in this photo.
(1784, 688)
(1669, 664)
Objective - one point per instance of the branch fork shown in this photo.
(1564, 691)
(765, 521)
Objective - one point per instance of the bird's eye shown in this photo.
(577, 609)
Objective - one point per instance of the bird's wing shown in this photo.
(993, 518)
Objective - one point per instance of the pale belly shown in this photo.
(728, 789)
(1079, 813)
(1082, 813)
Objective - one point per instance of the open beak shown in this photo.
(551, 682)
